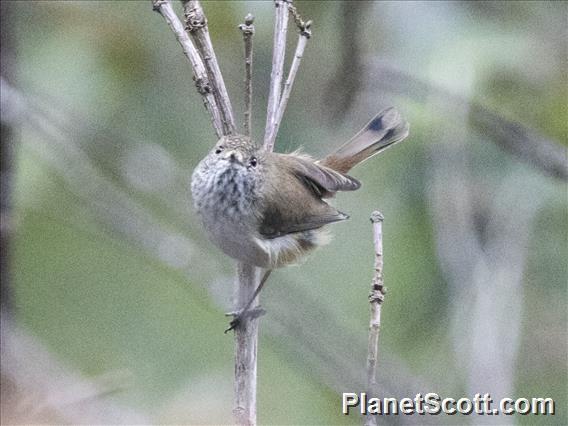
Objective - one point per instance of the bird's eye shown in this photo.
(219, 150)
(253, 162)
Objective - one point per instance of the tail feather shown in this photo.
(385, 129)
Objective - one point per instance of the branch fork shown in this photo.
(196, 26)
(164, 8)
(278, 96)
(196, 44)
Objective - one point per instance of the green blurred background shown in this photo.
(113, 275)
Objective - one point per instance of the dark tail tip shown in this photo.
(387, 118)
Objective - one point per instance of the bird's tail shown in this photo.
(385, 129)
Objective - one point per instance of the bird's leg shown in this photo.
(245, 312)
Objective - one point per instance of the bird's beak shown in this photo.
(233, 156)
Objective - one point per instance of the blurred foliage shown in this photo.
(103, 302)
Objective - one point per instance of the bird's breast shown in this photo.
(223, 191)
(225, 201)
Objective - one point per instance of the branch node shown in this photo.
(376, 297)
(202, 85)
(377, 294)
(377, 216)
(306, 29)
(248, 28)
(157, 3)
(194, 19)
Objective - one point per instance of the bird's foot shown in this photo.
(240, 316)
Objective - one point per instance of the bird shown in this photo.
(271, 209)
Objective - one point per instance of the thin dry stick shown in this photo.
(164, 8)
(376, 298)
(305, 34)
(246, 334)
(248, 32)
(196, 25)
(246, 349)
(278, 53)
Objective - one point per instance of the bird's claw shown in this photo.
(239, 316)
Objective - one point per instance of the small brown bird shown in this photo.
(269, 209)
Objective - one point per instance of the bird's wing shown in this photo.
(323, 180)
(274, 225)
(293, 203)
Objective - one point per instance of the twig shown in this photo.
(196, 26)
(246, 347)
(540, 152)
(248, 32)
(278, 53)
(527, 145)
(305, 34)
(376, 298)
(246, 334)
(164, 8)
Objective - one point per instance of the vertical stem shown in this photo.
(376, 298)
(278, 54)
(246, 348)
(246, 334)
(248, 31)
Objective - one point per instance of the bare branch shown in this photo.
(305, 34)
(196, 26)
(524, 143)
(248, 32)
(542, 153)
(204, 60)
(164, 8)
(278, 54)
(246, 347)
(376, 298)
(246, 334)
